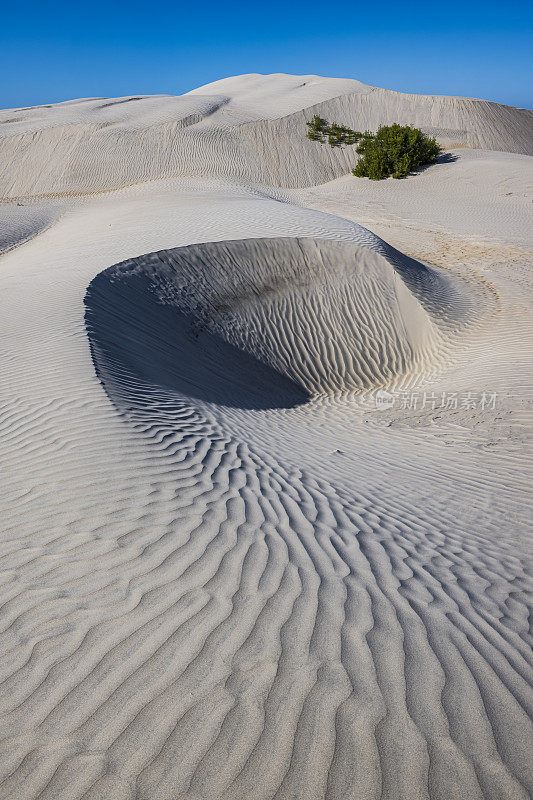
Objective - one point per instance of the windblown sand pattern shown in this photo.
(226, 573)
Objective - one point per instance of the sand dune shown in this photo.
(101, 144)
(226, 572)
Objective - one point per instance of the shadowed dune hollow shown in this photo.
(263, 323)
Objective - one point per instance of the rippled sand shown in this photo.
(230, 567)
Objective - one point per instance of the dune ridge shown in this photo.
(97, 145)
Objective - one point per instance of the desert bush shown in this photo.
(318, 129)
(337, 135)
(394, 150)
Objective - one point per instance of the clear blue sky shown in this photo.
(53, 51)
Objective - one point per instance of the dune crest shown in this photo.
(252, 129)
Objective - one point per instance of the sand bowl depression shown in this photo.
(268, 322)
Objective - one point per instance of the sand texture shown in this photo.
(230, 570)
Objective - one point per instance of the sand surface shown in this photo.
(265, 460)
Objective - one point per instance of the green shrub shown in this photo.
(318, 129)
(337, 135)
(394, 150)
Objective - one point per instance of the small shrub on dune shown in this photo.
(337, 135)
(318, 129)
(394, 150)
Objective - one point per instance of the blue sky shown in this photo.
(58, 51)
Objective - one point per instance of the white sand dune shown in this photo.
(101, 144)
(225, 572)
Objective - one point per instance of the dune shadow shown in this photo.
(442, 158)
(138, 341)
(446, 158)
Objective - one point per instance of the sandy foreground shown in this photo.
(264, 443)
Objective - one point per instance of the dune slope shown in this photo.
(251, 128)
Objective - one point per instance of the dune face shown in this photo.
(264, 452)
(19, 223)
(250, 128)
